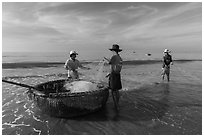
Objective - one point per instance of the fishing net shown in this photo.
(80, 86)
(82, 99)
(69, 98)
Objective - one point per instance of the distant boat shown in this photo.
(134, 52)
(148, 54)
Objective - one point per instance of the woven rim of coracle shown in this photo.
(69, 94)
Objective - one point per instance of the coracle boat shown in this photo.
(55, 100)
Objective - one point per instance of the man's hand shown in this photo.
(108, 75)
(65, 67)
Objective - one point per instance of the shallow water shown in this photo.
(148, 105)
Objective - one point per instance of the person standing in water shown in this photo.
(72, 64)
(114, 76)
(167, 60)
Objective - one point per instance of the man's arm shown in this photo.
(108, 60)
(171, 60)
(163, 63)
(66, 65)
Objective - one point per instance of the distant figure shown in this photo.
(167, 60)
(114, 76)
(72, 64)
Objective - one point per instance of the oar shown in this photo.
(22, 85)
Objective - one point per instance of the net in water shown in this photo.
(80, 86)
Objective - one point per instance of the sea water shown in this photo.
(148, 105)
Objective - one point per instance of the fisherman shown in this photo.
(167, 60)
(114, 76)
(72, 64)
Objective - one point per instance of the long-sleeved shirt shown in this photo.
(72, 66)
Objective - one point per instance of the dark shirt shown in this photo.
(167, 59)
(116, 63)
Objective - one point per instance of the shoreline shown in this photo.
(56, 64)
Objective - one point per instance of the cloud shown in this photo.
(168, 23)
(94, 24)
(20, 11)
(21, 31)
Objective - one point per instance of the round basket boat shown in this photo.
(56, 101)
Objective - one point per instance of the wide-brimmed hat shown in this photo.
(166, 51)
(73, 52)
(115, 47)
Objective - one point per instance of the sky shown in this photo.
(93, 27)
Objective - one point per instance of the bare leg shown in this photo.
(167, 77)
(115, 99)
(168, 74)
(117, 96)
(162, 76)
(163, 73)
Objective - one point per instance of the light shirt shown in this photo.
(72, 66)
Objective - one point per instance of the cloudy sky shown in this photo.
(85, 26)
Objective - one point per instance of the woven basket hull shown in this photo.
(66, 104)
